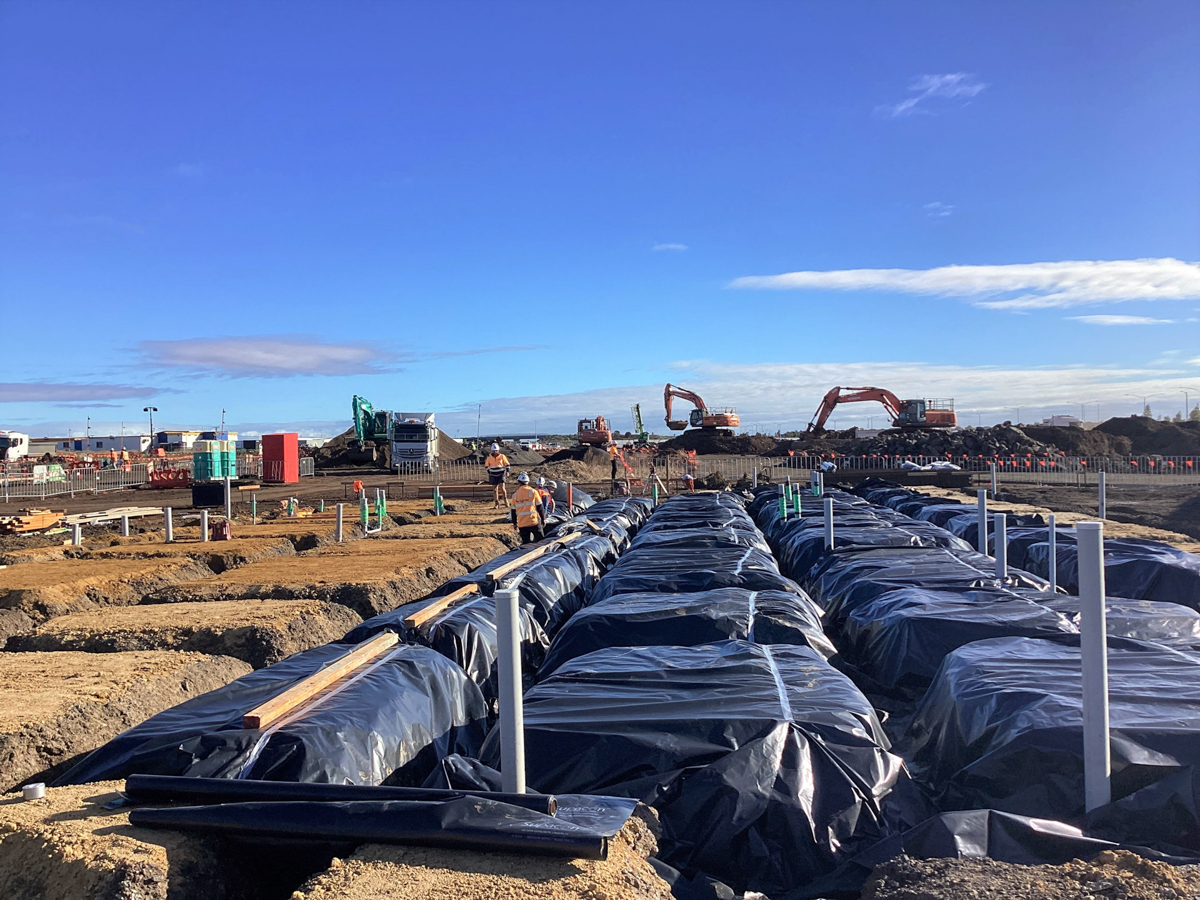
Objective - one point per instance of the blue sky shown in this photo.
(548, 210)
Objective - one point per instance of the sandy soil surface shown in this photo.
(56, 706)
(42, 590)
(68, 847)
(1175, 509)
(378, 872)
(369, 576)
(259, 632)
(1046, 500)
(438, 528)
(1111, 875)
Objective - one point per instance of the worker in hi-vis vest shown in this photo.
(528, 511)
(497, 469)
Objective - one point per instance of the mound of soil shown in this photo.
(589, 456)
(1149, 436)
(1078, 442)
(712, 442)
(378, 872)
(259, 632)
(67, 846)
(369, 576)
(57, 706)
(1113, 874)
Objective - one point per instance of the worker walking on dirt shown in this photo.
(497, 469)
(547, 497)
(528, 512)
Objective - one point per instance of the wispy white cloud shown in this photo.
(932, 92)
(676, 247)
(268, 356)
(1121, 320)
(937, 209)
(1037, 285)
(189, 170)
(62, 392)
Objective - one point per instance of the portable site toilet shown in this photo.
(281, 457)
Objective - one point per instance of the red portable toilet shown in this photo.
(281, 458)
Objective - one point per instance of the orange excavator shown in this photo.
(701, 416)
(904, 413)
(594, 432)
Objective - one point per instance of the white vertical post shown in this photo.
(337, 528)
(167, 524)
(1093, 645)
(512, 713)
(76, 534)
(1053, 555)
(821, 483)
(1000, 527)
(204, 524)
(1103, 501)
(754, 481)
(828, 523)
(124, 526)
(981, 499)
(228, 499)
(993, 481)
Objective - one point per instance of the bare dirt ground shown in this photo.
(56, 706)
(1175, 508)
(68, 847)
(378, 872)
(369, 576)
(259, 632)
(1113, 875)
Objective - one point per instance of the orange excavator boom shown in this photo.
(701, 416)
(903, 413)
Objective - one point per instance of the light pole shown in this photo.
(1146, 398)
(152, 410)
(1185, 400)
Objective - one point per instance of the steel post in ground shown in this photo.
(1053, 554)
(1000, 527)
(828, 523)
(228, 499)
(76, 534)
(512, 715)
(204, 524)
(337, 527)
(981, 501)
(1103, 512)
(168, 525)
(1093, 645)
(124, 526)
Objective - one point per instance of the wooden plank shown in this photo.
(421, 616)
(499, 572)
(303, 691)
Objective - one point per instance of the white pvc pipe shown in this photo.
(754, 482)
(512, 713)
(1053, 555)
(993, 481)
(228, 499)
(981, 500)
(1093, 644)
(167, 524)
(204, 524)
(124, 526)
(828, 523)
(337, 528)
(1103, 500)
(821, 483)
(1000, 529)
(76, 534)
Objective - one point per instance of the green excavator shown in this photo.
(369, 426)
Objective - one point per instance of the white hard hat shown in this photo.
(523, 478)
(495, 446)
(541, 481)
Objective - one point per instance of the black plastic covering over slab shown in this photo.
(471, 823)
(1001, 725)
(681, 570)
(389, 723)
(766, 765)
(687, 620)
(901, 637)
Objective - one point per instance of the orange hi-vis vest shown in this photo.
(525, 502)
(496, 463)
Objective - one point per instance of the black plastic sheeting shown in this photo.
(390, 723)
(765, 764)
(1001, 725)
(1169, 624)
(471, 823)
(681, 570)
(159, 789)
(901, 637)
(687, 620)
